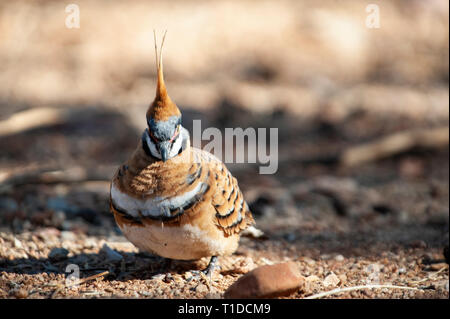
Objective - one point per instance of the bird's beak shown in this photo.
(164, 149)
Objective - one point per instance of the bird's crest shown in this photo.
(162, 107)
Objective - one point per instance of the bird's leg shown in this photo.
(208, 271)
(211, 266)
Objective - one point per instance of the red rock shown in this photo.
(20, 293)
(267, 282)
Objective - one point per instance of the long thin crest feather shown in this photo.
(156, 50)
(161, 91)
(162, 107)
(160, 49)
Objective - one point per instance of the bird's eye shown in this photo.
(177, 131)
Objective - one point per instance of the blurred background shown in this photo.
(362, 115)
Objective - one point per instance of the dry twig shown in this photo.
(56, 176)
(33, 118)
(346, 289)
(60, 287)
(83, 280)
(395, 144)
(432, 276)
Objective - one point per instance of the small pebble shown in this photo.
(309, 261)
(17, 243)
(159, 276)
(48, 232)
(373, 268)
(20, 293)
(331, 280)
(146, 294)
(312, 278)
(311, 283)
(342, 279)
(57, 254)
(187, 275)
(213, 295)
(244, 265)
(68, 235)
(325, 256)
(168, 278)
(201, 288)
(111, 254)
(267, 261)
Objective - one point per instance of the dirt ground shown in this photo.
(314, 71)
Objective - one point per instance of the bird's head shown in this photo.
(163, 118)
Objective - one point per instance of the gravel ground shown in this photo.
(388, 236)
(28, 272)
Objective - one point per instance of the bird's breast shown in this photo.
(155, 206)
(184, 242)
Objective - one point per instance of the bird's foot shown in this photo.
(208, 271)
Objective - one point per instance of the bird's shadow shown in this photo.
(142, 266)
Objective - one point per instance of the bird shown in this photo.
(174, 200)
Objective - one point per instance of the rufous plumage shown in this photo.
(174, 200)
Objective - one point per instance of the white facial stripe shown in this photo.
(151, 146)
(177, 144)
(184, 138)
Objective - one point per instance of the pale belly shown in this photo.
(185, 242)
